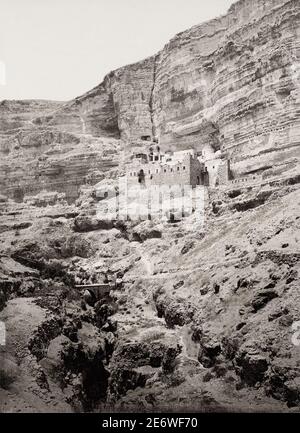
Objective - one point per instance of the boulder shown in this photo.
(208, 352)
(251, 365)
(144, 231)
(178, 313)
(292, 391)
(187, 247)
(262, 298)
(54, 361)
(169, 359)
(85, 223)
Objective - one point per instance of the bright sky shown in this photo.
(59, 49)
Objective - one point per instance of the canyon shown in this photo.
(205, 317)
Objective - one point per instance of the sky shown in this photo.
(59, 49)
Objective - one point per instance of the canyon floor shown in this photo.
(204, 321)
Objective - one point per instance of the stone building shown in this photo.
(181, 168)
(178, 168)
(216, 164)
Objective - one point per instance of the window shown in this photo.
(172, 170)
(141, 176)
(165, 170)
(183, 168)
(146, 138)
(157, 170)
(178, 169)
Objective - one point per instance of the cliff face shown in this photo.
(232, 82)
(36, 155)
(16, 115)
(120, 106)
(47, 159)
(93, 113)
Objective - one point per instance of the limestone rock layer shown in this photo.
(232, 82)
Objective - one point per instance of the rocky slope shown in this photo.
(204, 320)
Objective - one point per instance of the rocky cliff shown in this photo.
(232, 82)
(227, 81)
(37, 156)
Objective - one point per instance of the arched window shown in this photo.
(141, 177)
